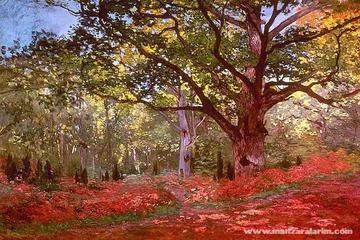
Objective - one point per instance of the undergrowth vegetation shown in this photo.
(109, 202)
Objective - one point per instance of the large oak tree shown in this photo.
(236, 58)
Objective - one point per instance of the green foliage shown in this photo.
(62, 98)
(164, 210)
(48, 186)
(72, 166)
(277, 190)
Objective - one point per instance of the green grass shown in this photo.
(277, 190)
(209, 205)
(5, 189)
(44, 229)
(49, 187)
(164, 210)
(40, 229)
(108, 220)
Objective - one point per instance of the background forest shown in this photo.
(61, 101)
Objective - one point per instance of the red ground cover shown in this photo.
(271, 178)
(24, 203)
(321, 203)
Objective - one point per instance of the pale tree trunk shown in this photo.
(62, 148)
(108, 134)
(132, 159)
(94, 159)
(185, 140)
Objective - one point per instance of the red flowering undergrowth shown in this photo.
(271, 178)
(23, 203)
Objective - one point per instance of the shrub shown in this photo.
(273, 178)
(49, 186)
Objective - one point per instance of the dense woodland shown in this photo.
(219, 89)
(158, 86)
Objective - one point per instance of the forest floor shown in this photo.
(322, 202)
(331, 202)
(326, 202)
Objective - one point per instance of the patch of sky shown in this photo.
(20, 18)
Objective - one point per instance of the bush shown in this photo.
(48, 186)
(272, 178)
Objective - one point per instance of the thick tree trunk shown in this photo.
(248, 154)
